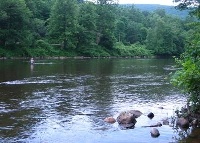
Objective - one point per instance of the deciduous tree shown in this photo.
(188, 77)
(63, 23)
(14, 23)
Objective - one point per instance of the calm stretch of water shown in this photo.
(65, 101)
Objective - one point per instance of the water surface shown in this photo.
(66, 101)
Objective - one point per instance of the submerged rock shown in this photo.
(161, 107)
(154, 125)
(154, 132)
(136, 113)
(165, 122)
(110, 120)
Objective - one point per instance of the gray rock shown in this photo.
(160, 107)
(159, 124)
(182, 123)
(110, 120)
(150, 115)
(154, 132)
(165, 122)
(136, 113)
(126, 119)
(154, 125)
(194, 122)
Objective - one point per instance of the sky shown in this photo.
(162, 2)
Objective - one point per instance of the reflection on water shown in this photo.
(67, 100)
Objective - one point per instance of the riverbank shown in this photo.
(192, 116)
(84, 57)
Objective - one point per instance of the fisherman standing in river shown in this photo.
(32, 61)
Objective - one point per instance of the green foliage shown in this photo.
(17, 52)
(96, 51)
(134, 50)
(164, 38)
(14, 21)
(3, 52)
(40, 8)
(188, 77)
(105, 24)
(192, 5)
(86, 28)
(63, 22)
(42, 49)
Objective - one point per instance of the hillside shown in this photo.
(168, 9)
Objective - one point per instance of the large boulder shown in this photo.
(182, 123)
(154, 132)
(126, 120)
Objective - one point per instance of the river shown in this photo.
(66, 101)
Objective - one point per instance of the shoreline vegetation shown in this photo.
(74, 28)
(83, 57)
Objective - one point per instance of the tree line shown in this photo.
(100, 28)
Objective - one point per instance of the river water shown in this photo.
(66, 101)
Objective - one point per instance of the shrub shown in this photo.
(188, 77)
(95, 51)
(132, 50)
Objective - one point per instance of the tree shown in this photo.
(105, 24)
(188, 77)
(155, 34)
(192, 5)
(14, 23)
(105, 2)
(120, 29)
(80, 1)
(40, 10)
(82, 26)
(63, 23)
(87, 28)
(165, 36)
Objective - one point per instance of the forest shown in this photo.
(54, 28)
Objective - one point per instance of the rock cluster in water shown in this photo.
(127, 120)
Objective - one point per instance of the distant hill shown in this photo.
(170, 10)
